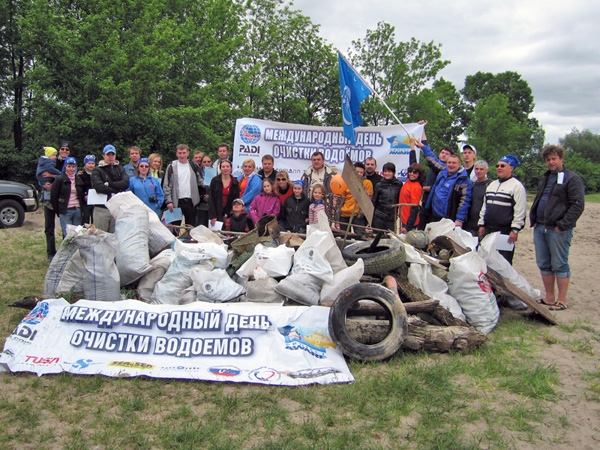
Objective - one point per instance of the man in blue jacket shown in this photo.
(450, 195)
(558, 204)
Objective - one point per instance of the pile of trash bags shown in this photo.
(144, 255)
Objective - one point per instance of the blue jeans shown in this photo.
(552, 251)
(72, 216)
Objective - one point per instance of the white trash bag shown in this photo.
(470, 287)
(71, 280)
(494, 260)
(310, 257)
(421, 276)
(131, 231)
(341, 280)
(262, 288)
(59, 262)
(214, 286)
(98, 250)
(276, 261)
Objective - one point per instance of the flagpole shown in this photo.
(376, 93)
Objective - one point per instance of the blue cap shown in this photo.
(89, 158)
(70, 160)
(143, 160)
(109, 149)
(511, 160)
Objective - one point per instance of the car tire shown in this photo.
(389, 255)
(12, 214)
(397, 317)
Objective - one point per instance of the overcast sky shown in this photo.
(554, 46)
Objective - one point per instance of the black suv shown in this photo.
(15, 199)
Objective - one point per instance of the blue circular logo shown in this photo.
(250, 134)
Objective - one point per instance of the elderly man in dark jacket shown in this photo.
(558, 204)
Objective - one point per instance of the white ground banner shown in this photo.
(292, 145)
(237, 342)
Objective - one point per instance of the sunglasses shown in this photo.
(413, 171)
(281, 179)
(501, 166)
(143, 165)
(66, 149)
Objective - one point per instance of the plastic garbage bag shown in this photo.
(473, 291)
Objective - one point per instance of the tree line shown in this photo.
(156, 73)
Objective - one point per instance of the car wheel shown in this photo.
(388, 255)
(397, 318)
(12, 214)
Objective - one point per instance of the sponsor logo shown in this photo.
(315, 344)
(250, 134)
(132, 365)
(37, 314)
(183, 368)
(82, 363)
(313, 373)
(24, 333)
(484, 283)
(265, 374)
(225, 371)
(41, 360)
(9, 352)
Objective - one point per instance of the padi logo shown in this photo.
(250, 134)
(37, 314)
(225, 371)
(131, 365)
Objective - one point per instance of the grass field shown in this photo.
(497, 396)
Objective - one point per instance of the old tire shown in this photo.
(357, 350)
(388, 255)
(12, 214)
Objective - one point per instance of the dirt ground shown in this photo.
(582, 414)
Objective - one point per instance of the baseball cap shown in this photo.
(240, 201)
(109, 149)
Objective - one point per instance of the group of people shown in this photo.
(460, 191)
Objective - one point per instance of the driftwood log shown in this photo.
(455, 335)
(421, 335)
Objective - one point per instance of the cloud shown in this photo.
(552, 45)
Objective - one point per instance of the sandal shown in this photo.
(542, 302)
(558, 306)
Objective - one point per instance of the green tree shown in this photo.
(584, 143)
(495, 131)
(396, 70)
(286, 67)
(524, 137)
(440, 106)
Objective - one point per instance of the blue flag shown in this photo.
(354, 91)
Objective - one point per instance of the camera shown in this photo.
(153, 199)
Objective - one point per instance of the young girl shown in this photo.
(265, 203)
(294, 213)
(318, 203)
(411, 193)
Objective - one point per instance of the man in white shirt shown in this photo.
(183, 185)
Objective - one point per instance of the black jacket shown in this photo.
(215, 202)
(114, 175)
(385, 194)
(61, 191)
(294, 213)
(565, 201)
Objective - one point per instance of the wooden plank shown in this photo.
(499, 282)
(357, 189)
